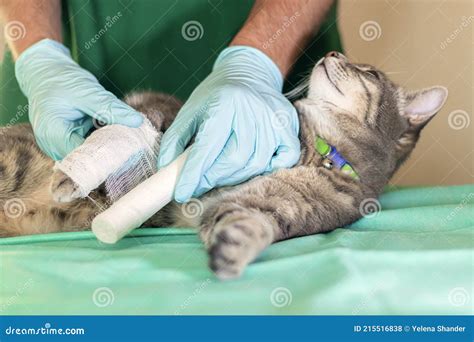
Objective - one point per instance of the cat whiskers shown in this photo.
(97, 204)
(394, 72)
(299, 89)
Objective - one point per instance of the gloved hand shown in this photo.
(64, 98)
(243, 124)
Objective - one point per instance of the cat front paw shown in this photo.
(235, 243)
(63, 189)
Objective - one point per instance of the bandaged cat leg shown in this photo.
(120, 156)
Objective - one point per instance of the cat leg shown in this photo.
(235, 237)
(243, 221)
(107, 149)
(127, 153)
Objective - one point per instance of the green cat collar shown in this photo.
(332, 158)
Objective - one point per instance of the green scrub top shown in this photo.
(165, 45)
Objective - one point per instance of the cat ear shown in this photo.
(422, 105)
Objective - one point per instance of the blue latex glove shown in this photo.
(63, 98)
(243, 124)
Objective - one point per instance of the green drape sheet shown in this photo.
(413, 257)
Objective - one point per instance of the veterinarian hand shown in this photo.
(243, 124)
(64, 98)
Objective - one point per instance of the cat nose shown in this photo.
(333, 54)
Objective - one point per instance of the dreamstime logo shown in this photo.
(109, 22)
(467, 199)
(280, 297)
(20, 291)
(192, 30)
(368, 298)
(465, 22)
(458, 296)
(98, 123)
(194, 294)
(14, 208)
(287, 22)
(459, 119)
(193, 208)
(21, 111)
(281, 119)
(14, 30)
(370, 207)
(103, 296)
(370, 30)
(103, 118)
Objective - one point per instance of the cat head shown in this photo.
(372, 121)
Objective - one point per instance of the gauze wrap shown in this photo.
(118, 155)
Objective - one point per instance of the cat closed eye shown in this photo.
(372, 73)
(367, 71)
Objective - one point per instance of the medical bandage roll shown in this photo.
(138, 205)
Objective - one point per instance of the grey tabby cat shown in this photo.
(352, 108)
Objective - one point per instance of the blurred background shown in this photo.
(420, 43)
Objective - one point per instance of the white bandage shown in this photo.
(125, 159)
(120, 156)
(138, 205)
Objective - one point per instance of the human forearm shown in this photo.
(63, 98)
(36, 20)
(282, 28)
